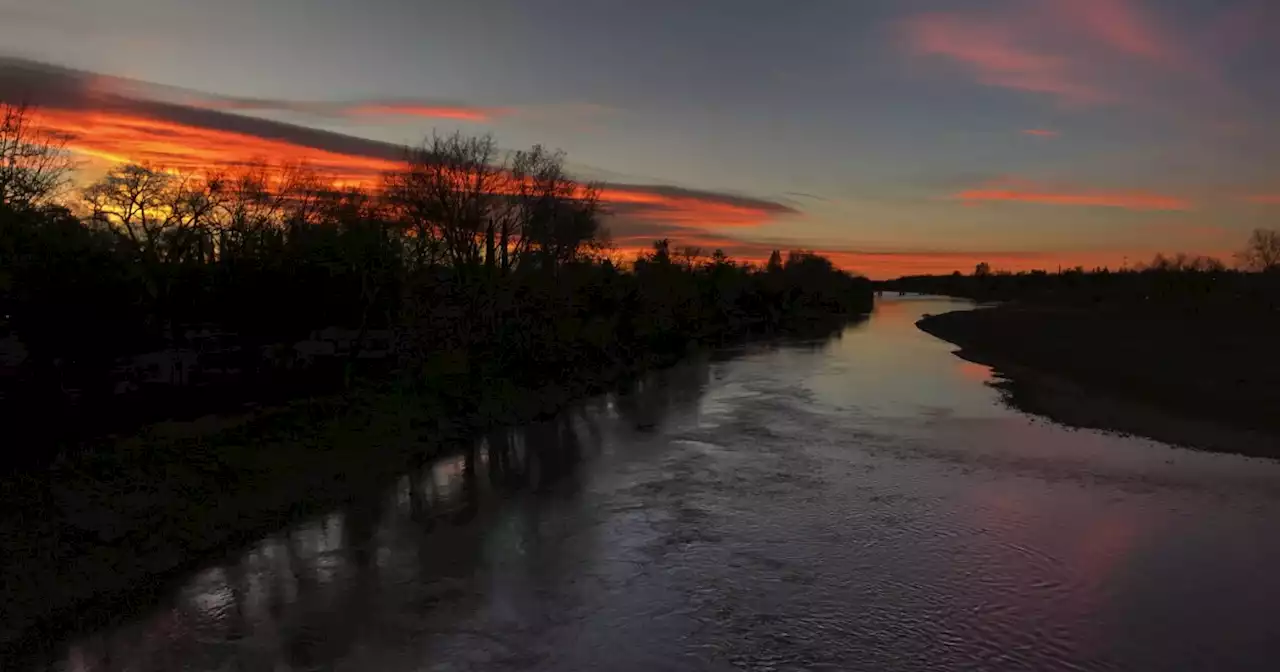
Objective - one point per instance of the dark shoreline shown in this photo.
(126, 554)
(1051, 365)
(318, 468)
(132, 555)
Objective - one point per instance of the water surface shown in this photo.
(858, 503)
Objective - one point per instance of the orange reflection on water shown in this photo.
(973, 371)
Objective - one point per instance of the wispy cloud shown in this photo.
(804, 194)
(689, 207)
(997, 53)
(50, 85)
(1081, 52)
(1263, 199)
(1040, 132)
(1026, 192)
(437, 109)
(1124, 26)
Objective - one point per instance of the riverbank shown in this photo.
(115, 523)
(110, 524)
(1204, 381)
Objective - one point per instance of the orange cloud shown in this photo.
(690, 208)
(112, 119)
(1041, 132)
(1103, 198)
(1264, 199)
(163, 136)
(117, 136)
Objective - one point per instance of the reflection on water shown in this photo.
(306, 597)
(863, 502)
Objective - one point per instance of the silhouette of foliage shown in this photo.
(461, 269)
(1194, 283)
(34, 166)
(1262, 251)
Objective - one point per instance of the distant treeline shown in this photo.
(462, 267)
(1181, 281)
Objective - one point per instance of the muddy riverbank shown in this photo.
(1205, 383)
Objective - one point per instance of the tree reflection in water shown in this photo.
(396, 564)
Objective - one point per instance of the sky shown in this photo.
(897, 136)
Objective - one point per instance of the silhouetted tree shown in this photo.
(555, 218)
(34, 164)
(479, 271)
(452, 190)
(691, 257)
(661, 252)
(1182, 282)
(1262, 251)
(70, 297)
(775, 261)
(162, 216)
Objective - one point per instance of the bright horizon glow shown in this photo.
(894, 137)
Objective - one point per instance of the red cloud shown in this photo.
(993, 50)
(1080, 51)
(1041, 132)
(1123, 26)
(1104, 198)
(1264, 199)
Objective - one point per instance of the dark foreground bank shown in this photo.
(108, 527)
(857, 503)
(1208, 381)
(105, 528)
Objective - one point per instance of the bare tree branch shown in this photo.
(35, 166)
(1262, 252)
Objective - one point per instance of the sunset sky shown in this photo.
(900, 136)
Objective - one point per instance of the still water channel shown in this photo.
(863, 502)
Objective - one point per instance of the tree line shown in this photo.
(1192, 282)
(478, 264)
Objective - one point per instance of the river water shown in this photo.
(863, 502)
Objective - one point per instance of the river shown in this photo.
(864, 502)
